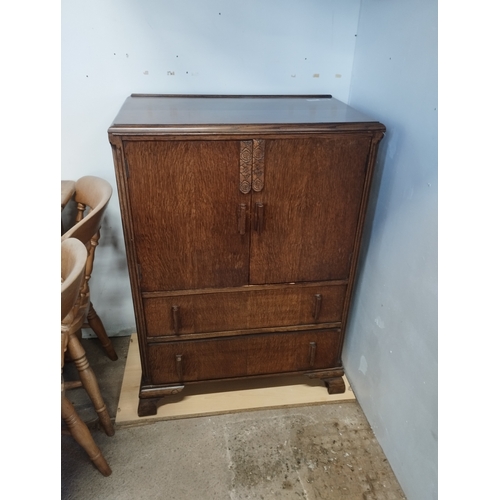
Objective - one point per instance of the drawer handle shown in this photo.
(176, 319)
(242, 218)
(178, 365)
(318, 300)
(259, 217)
(312, 353)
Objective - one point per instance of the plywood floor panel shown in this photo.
(221, 397)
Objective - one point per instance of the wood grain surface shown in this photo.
(243, 219)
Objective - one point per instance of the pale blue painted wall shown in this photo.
(391, 350)
(113, 48)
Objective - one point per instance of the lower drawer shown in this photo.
(242, 356)
(244, 309)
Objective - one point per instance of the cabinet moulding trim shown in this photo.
(258, 165)
(334, 372)
(245, 166)
(334, 327)
(245, 288)
(157, 391)
(161, 390)
(248, 129)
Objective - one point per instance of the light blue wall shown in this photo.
(391, 350)
(113, 48)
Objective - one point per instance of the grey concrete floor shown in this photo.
(313, 453)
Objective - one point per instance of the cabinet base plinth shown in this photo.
(148, 407)
(332, 379)
(335, 385)
(151, 398)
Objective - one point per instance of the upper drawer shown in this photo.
(244, 309)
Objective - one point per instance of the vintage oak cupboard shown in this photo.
(242, 218)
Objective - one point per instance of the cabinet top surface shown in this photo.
(153, 111)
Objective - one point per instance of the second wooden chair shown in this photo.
(92, 195)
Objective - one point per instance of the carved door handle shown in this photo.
(318, 300)
(259, 217)
(176, 319)
(242, 218)
(178, 366)
(312, 353)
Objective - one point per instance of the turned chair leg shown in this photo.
(82, 436)
(89, 382)
(96, 324)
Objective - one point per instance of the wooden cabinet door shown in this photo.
(309, 208)
(187, 212)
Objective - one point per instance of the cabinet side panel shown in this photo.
(121, 180)
(187, 214)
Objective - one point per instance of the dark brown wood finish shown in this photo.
(311, 200)
(243, 310)
(243, 356)
(187, 230)
(242, 218)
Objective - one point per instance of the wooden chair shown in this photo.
(92, 195)
(73, 260)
